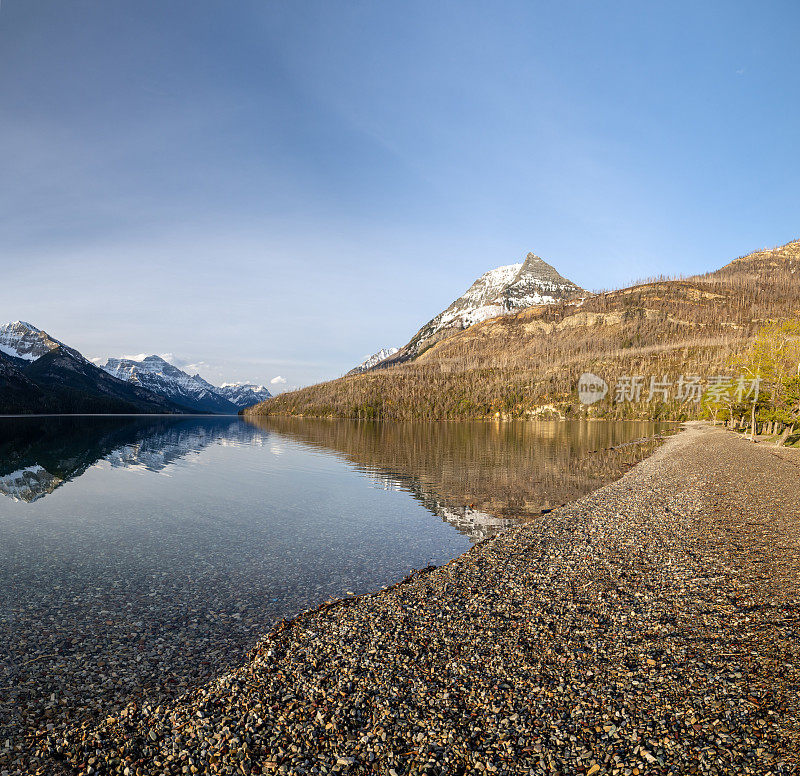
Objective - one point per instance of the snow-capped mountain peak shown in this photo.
(506, 289)
(23, 340)
(499, 291)
(158, 375)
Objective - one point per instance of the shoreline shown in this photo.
(632, 631)
(493, 418)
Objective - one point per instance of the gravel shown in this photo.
(649, 628)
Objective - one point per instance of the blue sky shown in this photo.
(282, 187)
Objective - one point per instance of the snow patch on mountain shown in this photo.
(373, 360)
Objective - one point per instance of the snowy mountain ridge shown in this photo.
(40, 373)
(191, 391)
(372, 360)
(504, 290)
(161, 377)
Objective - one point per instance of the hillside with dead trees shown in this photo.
(528, 364)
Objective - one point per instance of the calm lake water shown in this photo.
(141, 555)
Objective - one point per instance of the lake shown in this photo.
(142, 555)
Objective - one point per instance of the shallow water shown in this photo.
(142, 555)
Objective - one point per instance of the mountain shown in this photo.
(771, 268)
(244, 394)
(39, 374)
(159, 376)
(67, 372)
(373, 360)
(497, 292)
(23, 341)
(192, 391)
(18, 392)
(527, 363)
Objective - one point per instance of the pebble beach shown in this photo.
(649, 628)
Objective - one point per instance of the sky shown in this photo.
(274, 189)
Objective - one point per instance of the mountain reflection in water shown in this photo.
(37, 455)
(480, 477)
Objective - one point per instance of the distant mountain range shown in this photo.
(40, 374)
(244, 394)
(165, 379)
(499, 291)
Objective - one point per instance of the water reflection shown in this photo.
(481, 477)
(38, 455)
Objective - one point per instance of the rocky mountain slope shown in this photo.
(528, 362)
(17, 392)
(497, 292)
(68, 370)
